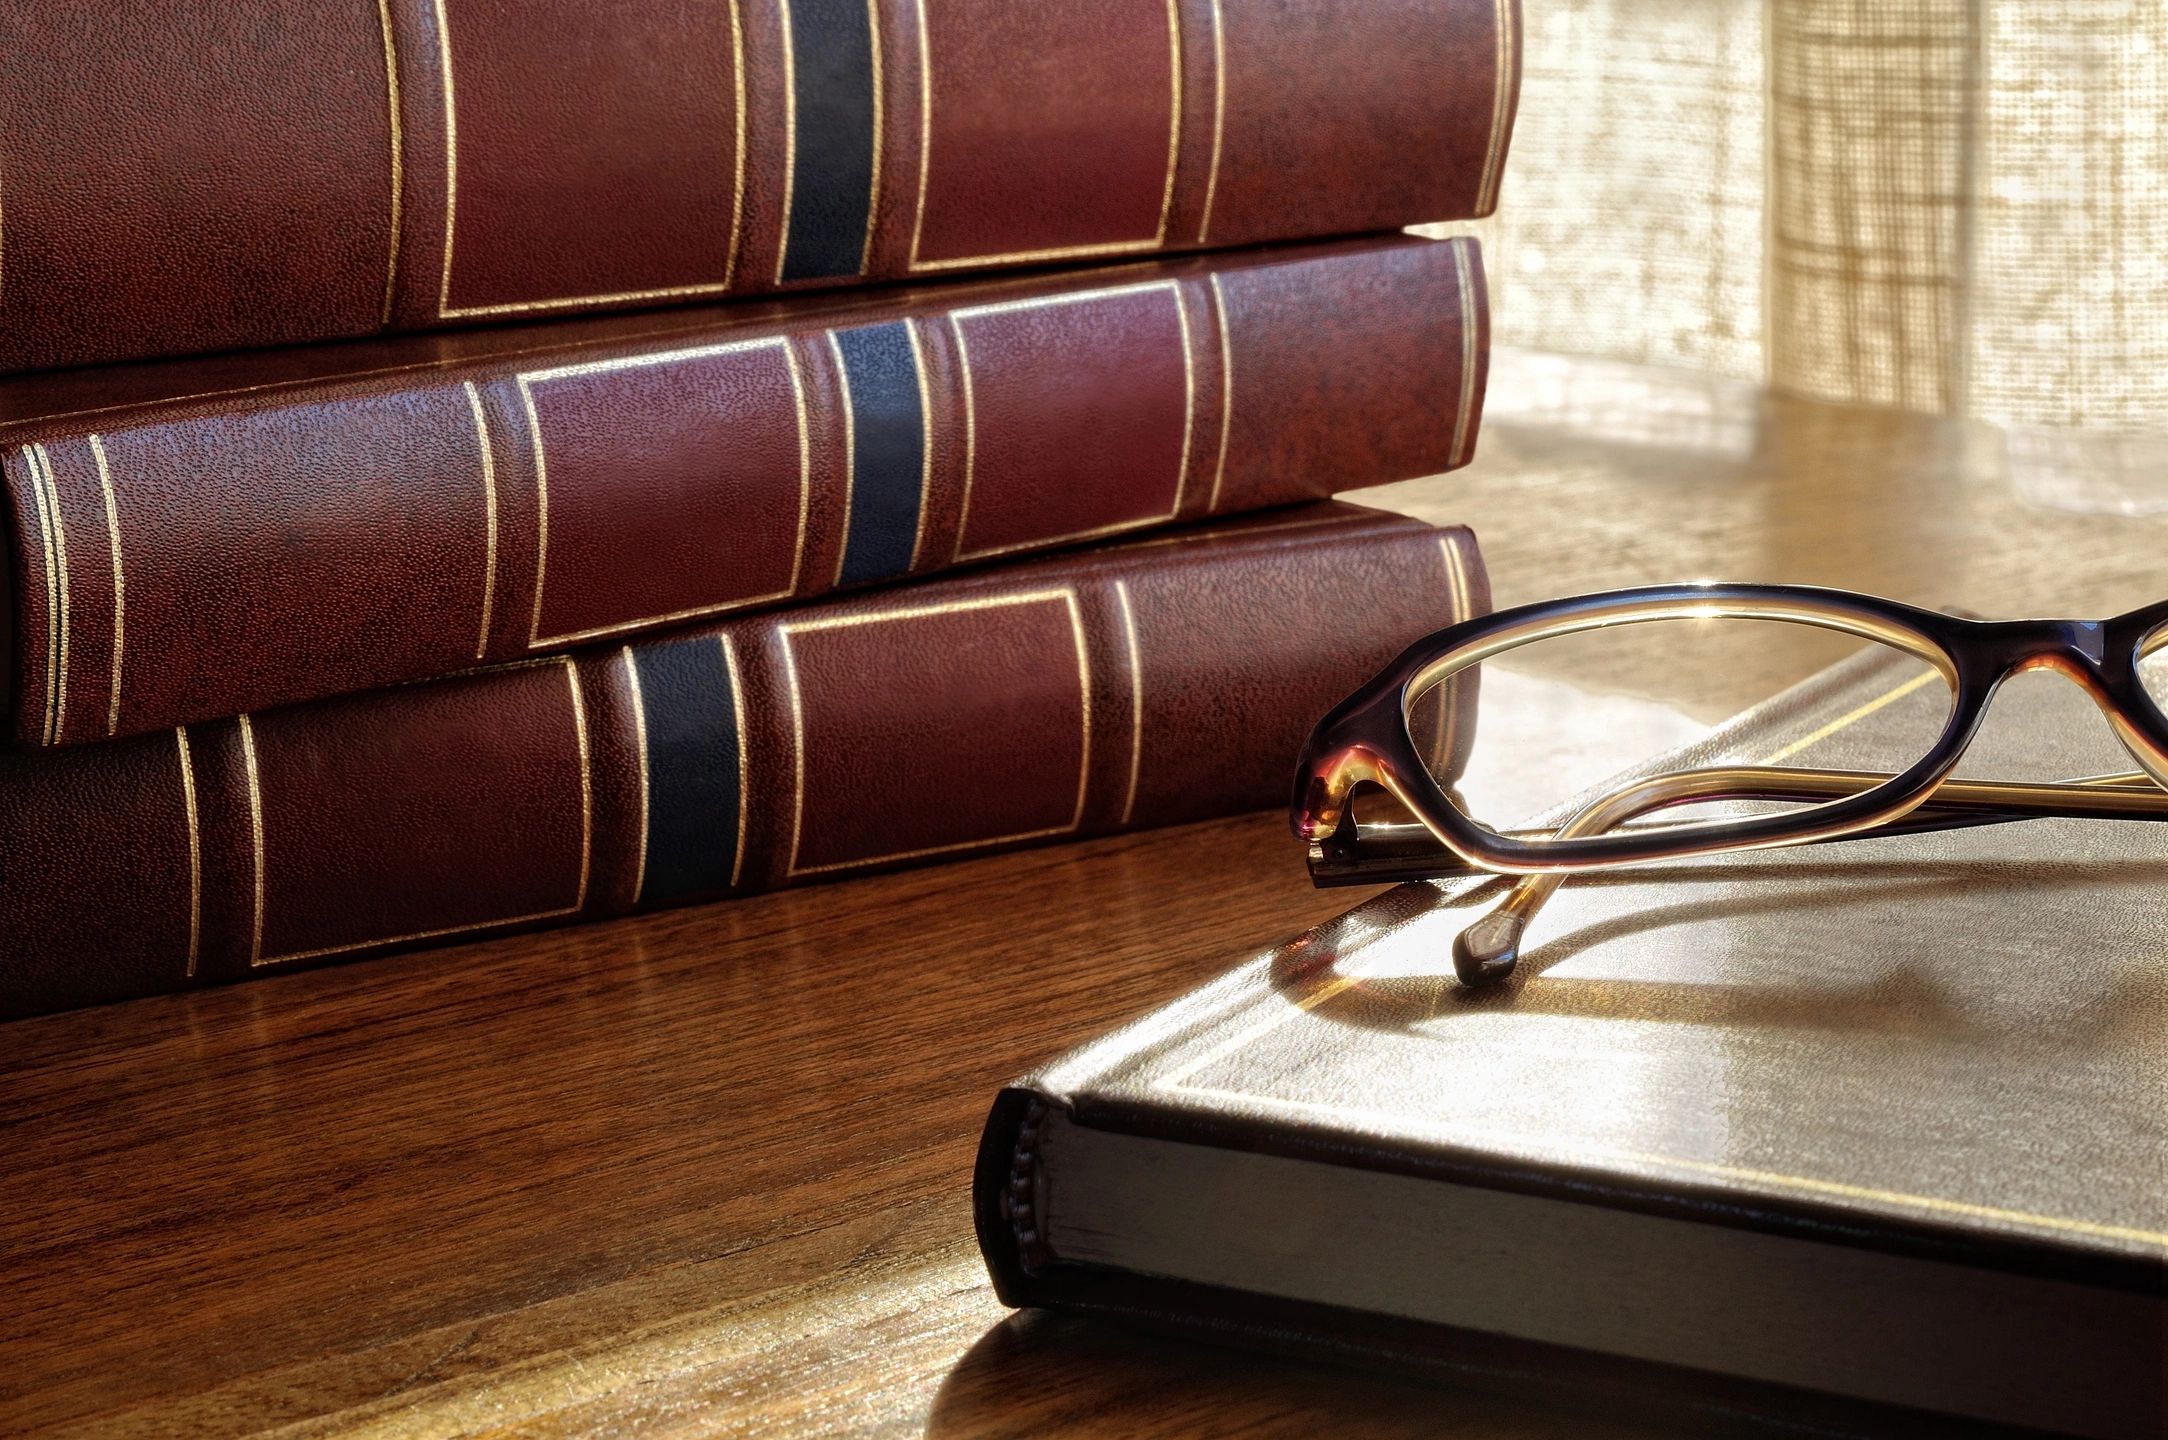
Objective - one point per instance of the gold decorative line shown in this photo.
(1025, 257)
(805, 463)
(120, 586)
(60, 554)
(925, 439)
(542, 505)
(785, 632)
(963, 360)
(797, 753)
(1227, 392)
(413, 936)
(489, 517)
(925, 127)
(1887, 698)
(255, 833)
(873, 190)
(737, 718)
(52, 590)
(971, 435)
(1464, 277)
(451, 158)
(1456, 578)
(1136, 697)
(195, 848)
(587, 787)
(1219, 117)
(398, 154)
(1189, 401)
(566, 302)
(737, 183)
(850, 452)
(1174, 117)
(790, 137)
(639, 745)
(1486, 195)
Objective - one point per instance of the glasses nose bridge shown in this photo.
(2076, 648)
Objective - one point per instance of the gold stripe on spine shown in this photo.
(737, 718)
(1174, 124)
(639, 746)
(451, 158)
(564, 302)
(398, 154)
(790, 137)
(873, 189)
(532, 378)
(542, 506)
(925, 439)
(579, 729)
(587, 784)
(1486, 194)
(255, 835)
(850, 453)
(120, 586)
(1465, 280)
(1227, 392)
(737, 183)
(1136, 698)
(1066, 595)
(1219, 118)
(1062, 252)
(489, 516)
(195, 848)
(963, 361)
(52, 592)
(60, 556)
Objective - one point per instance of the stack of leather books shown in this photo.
(472, 466)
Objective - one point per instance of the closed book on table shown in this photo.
(1856, 1139)
(1144, 683)
(196, 539)
(184, 176)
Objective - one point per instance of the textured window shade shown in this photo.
(1957, 206)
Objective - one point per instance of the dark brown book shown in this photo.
(1855, 1139)
(192, 540)
(1144, 683)
(183, 176)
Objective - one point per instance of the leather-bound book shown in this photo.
(1856, 1139)
(183, 176)
(1144, 683)
(196, 539)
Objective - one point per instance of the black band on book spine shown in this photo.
(888, 449)
(832, 177)
(693, 769)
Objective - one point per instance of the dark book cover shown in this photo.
(1867, 1138)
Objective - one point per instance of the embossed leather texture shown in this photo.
(1786, 1132)
(1143, 683)
(184, 177)
(197, 539)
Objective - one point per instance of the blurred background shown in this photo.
(1954, 207)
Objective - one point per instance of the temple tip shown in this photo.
(1487, 951)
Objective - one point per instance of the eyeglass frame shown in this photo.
(1366, 739)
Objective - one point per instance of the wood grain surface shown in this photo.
(707, 1171)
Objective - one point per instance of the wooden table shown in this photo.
(706, 1171)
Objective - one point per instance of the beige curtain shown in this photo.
(1957, 206)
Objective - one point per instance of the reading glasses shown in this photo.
(1950, 668)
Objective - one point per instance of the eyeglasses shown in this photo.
(1369, 742)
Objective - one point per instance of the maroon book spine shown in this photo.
(180, 555)
(183, 177)
(1143, 683)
